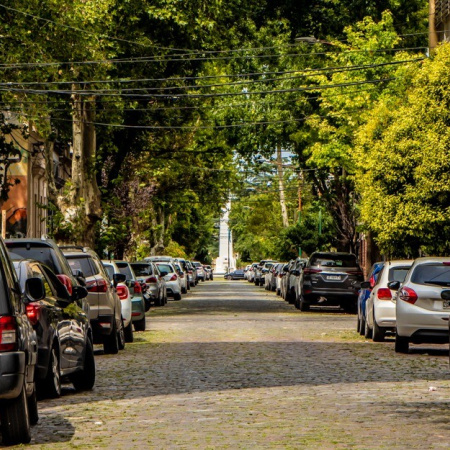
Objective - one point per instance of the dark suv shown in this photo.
(18, 356)
(105, 310)
(330, 278)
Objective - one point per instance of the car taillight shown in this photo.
(8, 336)
(174, 277)
(97, 285)
(122, 291)
(33, 311)
(137, 287)
(408, 295)
(151, 280)
(66, 281)
(384, 294)
(311, 271)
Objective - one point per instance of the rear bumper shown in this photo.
(137, 308)
(102, 326)
(312, 295)
(12, 373)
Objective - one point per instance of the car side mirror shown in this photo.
(79, 292)
(119, 278)
(34, 289)
(394, 285)
(365, 285)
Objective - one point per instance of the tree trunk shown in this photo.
(81, 206)
(284, 213)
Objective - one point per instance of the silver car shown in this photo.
(173, 285)
(423, 303)
(146, 272)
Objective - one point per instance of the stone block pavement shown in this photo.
(232, 366)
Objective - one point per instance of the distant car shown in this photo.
(187, 269)
(200, 271)
(235, 275)
(259, 274)
(147, 272)
(169, 273)
(380, 306)
(105, 309)
(423, 303)
(137, 299)
(182, 277)
(18, 356)
(250, 275)
(64, 336)
(331, 278)
(208, 272)
(279, 278)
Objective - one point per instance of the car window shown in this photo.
(435, 273)
(42, 254)
(37, 273)
(126, 270)
(81, 263)
(109, 270)
(142, 269)
(165, 267)
(398, 273)
(330, 260)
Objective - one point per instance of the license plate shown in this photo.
(333, 277)
(446, 304)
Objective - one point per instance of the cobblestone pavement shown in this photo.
(234, 366)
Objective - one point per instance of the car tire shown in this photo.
(401, 344)
(121, 336)
(177, 296)
(303, 305)
(128, 332)
(139, 325)
(15, 420)
(33, 412)
(362, 325)
(111, 342)
(84, 380)
(51, 385)
(378, 333)
(291, 300)
(183, 290)
(367, 330)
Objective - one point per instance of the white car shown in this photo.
(423, 304)
(173, 284)
(380, 306)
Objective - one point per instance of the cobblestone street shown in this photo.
(234, 366)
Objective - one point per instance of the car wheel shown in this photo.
(128, 332)
(111, 342)
(84, 380)
(378, 333)
(291, 300)
(183, 290)
(121, 336)
(139, 325)
(51, 385)
(303, 305)
(15, 420)
(367, 330)
(33, 407)
(177, 296)
(401, 344)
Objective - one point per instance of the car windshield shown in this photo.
(435, 273)
(80, 263)
(398, 273)
(330, 260)
(165, 268)
(142, 269)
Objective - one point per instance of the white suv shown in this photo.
(423, 304)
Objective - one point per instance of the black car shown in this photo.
(64, 336)
(18, 356)
(331, 278)
(235, 275)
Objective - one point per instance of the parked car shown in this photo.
(173, 286)
(423, 303)
(105, 309)
(64, 334)
(192, 274)
(250, 275)
(47, 252)
(185, 267)
(208, 272)
(293, 291)
(182, 277)
(124, 294)
(200, 271)
(235, 275)
(331, 278)
(285, 280)
(363, 295)
(18, 357)
(259, 274)
(147, 272)
(279, 279)
(138, 306)
(380, 306)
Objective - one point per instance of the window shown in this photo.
(142, 270)
(81, 263)
(37, 273)
(398, 273)
(333, 260)
(438, 274)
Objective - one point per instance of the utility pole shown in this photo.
(284, 212)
